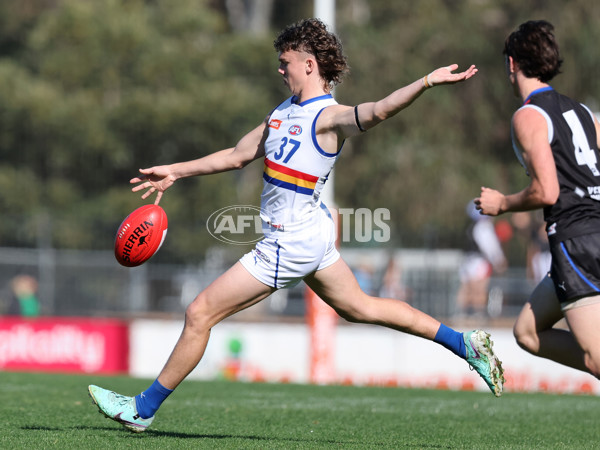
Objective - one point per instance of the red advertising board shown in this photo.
(61, 344)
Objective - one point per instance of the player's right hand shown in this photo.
(155, 179)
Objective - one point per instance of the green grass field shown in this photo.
(54, 411)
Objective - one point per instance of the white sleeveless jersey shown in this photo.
(296, 167)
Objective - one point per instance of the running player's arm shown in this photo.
(349, 121)
(531, 134)
(159, 178)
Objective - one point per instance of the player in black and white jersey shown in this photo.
(556, 139)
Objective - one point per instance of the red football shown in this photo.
(140, 235)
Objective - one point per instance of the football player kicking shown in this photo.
(299, 142)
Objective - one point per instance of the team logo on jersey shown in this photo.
(275, 123)
(295, 130)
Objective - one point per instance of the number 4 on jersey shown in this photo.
(584, 154)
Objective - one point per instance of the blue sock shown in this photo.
(148, 402)
(452, 340)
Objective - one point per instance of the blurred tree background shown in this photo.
(92, 90)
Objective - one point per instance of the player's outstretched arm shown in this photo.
(372, 113)
(160, 178)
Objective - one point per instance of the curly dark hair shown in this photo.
(533, 47)
(311, 36)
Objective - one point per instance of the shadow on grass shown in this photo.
(40, 428)
(255, 438)
(179, 435)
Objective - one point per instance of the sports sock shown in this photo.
(452, 340)
(148, 402)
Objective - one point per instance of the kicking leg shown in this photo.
(338, 287)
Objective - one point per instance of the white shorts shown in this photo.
(285, 257)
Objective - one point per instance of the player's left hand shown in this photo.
(444, 75)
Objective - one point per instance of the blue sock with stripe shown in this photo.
(148, 402)
(452, 340)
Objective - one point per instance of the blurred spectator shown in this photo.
(483, 256)
(530, 233)
(392, 285)
(522, 226)
(25, 302)
(539, 258)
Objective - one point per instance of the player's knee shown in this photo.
(356, 313)
(526, 337)
(197, 313)
(353, 317)
(347, 314)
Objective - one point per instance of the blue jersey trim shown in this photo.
(313, 133)
(577, 271)
(314, 99)
(276, 265)
(324, 207)
(538, 91)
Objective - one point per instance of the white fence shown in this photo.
(91, 283)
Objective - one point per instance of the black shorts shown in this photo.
(576, 267)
